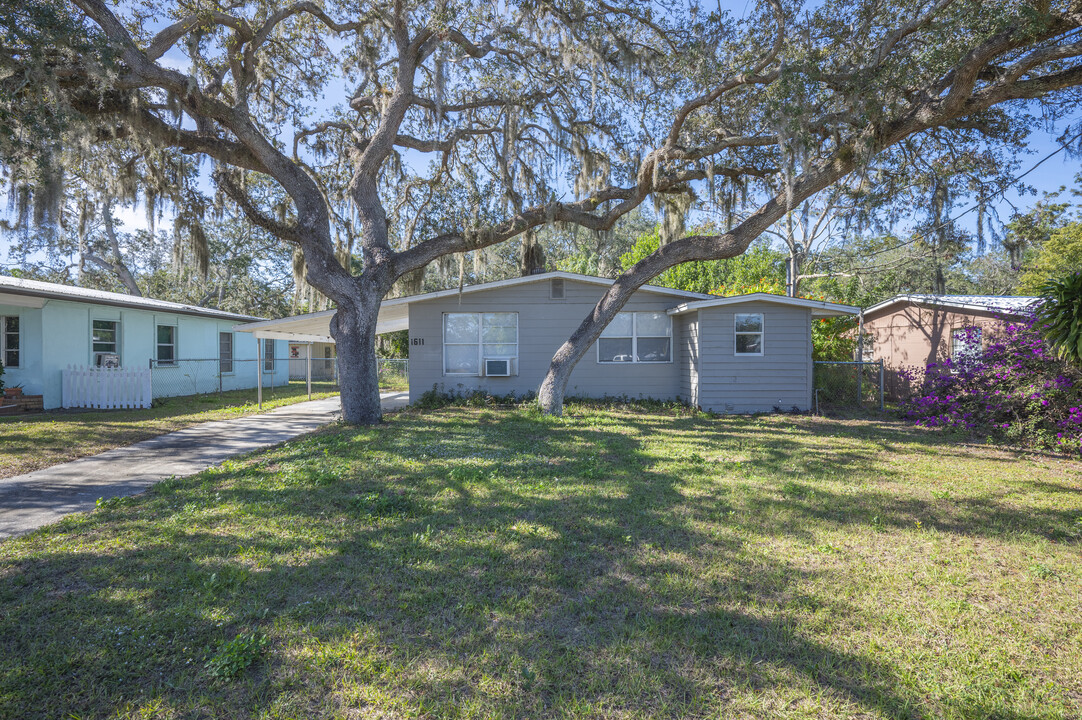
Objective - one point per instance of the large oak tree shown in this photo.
(506, 117)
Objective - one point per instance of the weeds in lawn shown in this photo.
(236, 655)
(1041, 571)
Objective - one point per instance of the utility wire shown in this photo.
(981, 201)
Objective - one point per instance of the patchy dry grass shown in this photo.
(32, 442)
(615, 563)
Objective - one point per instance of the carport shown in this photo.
(316, 328)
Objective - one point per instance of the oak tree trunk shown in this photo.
(354, 330)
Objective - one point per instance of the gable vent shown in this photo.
(556, 288)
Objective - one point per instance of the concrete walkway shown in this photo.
(44, 496)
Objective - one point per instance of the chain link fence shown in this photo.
(237, 379)
(847, 385)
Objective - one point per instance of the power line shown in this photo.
(1063, 146)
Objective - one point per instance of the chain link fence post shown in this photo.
(839, 386)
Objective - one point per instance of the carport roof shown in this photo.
(394, 314)
(316, 327)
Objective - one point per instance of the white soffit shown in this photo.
(22, 301)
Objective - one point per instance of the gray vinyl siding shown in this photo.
(687, 333)
(543, 325)
(781, 377)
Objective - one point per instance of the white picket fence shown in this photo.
(106, 388)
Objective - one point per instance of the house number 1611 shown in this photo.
(417, 341)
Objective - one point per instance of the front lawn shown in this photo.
(616, 563)
(34, 441)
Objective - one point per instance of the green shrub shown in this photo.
(1061, 316)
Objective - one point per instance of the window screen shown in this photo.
(104, 337)
(749, 334)
(225, 352)
(167, 345)
(468, 338)
(9, 341)
(641, 337)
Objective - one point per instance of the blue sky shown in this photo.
(1050, 176)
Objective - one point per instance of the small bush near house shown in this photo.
(1015, 390)
(1061, 316)
(834, 339)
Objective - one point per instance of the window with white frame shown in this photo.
(105, 339)
(167, 345)
(749, 333)
(268, 355)
(867, 348)
(636, 337)
(9, 341)
(470, 338)
(965, 343)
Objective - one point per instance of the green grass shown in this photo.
(490, 563)
(32, 442)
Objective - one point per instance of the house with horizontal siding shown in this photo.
(47, 327)
(748, 353)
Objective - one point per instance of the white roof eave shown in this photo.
(941, 302)
(819, 308)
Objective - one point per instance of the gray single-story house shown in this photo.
(747, 353)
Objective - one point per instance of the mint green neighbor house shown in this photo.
(46, 327)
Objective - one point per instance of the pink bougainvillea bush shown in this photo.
(1015, 390)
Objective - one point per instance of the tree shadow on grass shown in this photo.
(525, 569)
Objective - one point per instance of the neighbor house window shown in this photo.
(637, 337)
(965, 343)
(749, 334)
(268, 355)
(105, 339)
(867, 353)
(9, 341)
(225, 352)
(167, 345)
(469, 338)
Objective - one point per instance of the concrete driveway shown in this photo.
(44, 496)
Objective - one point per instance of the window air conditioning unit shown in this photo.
(498, 367)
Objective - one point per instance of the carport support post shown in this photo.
(308, 368)
(259, 370)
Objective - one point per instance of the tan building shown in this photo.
(909, 332)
